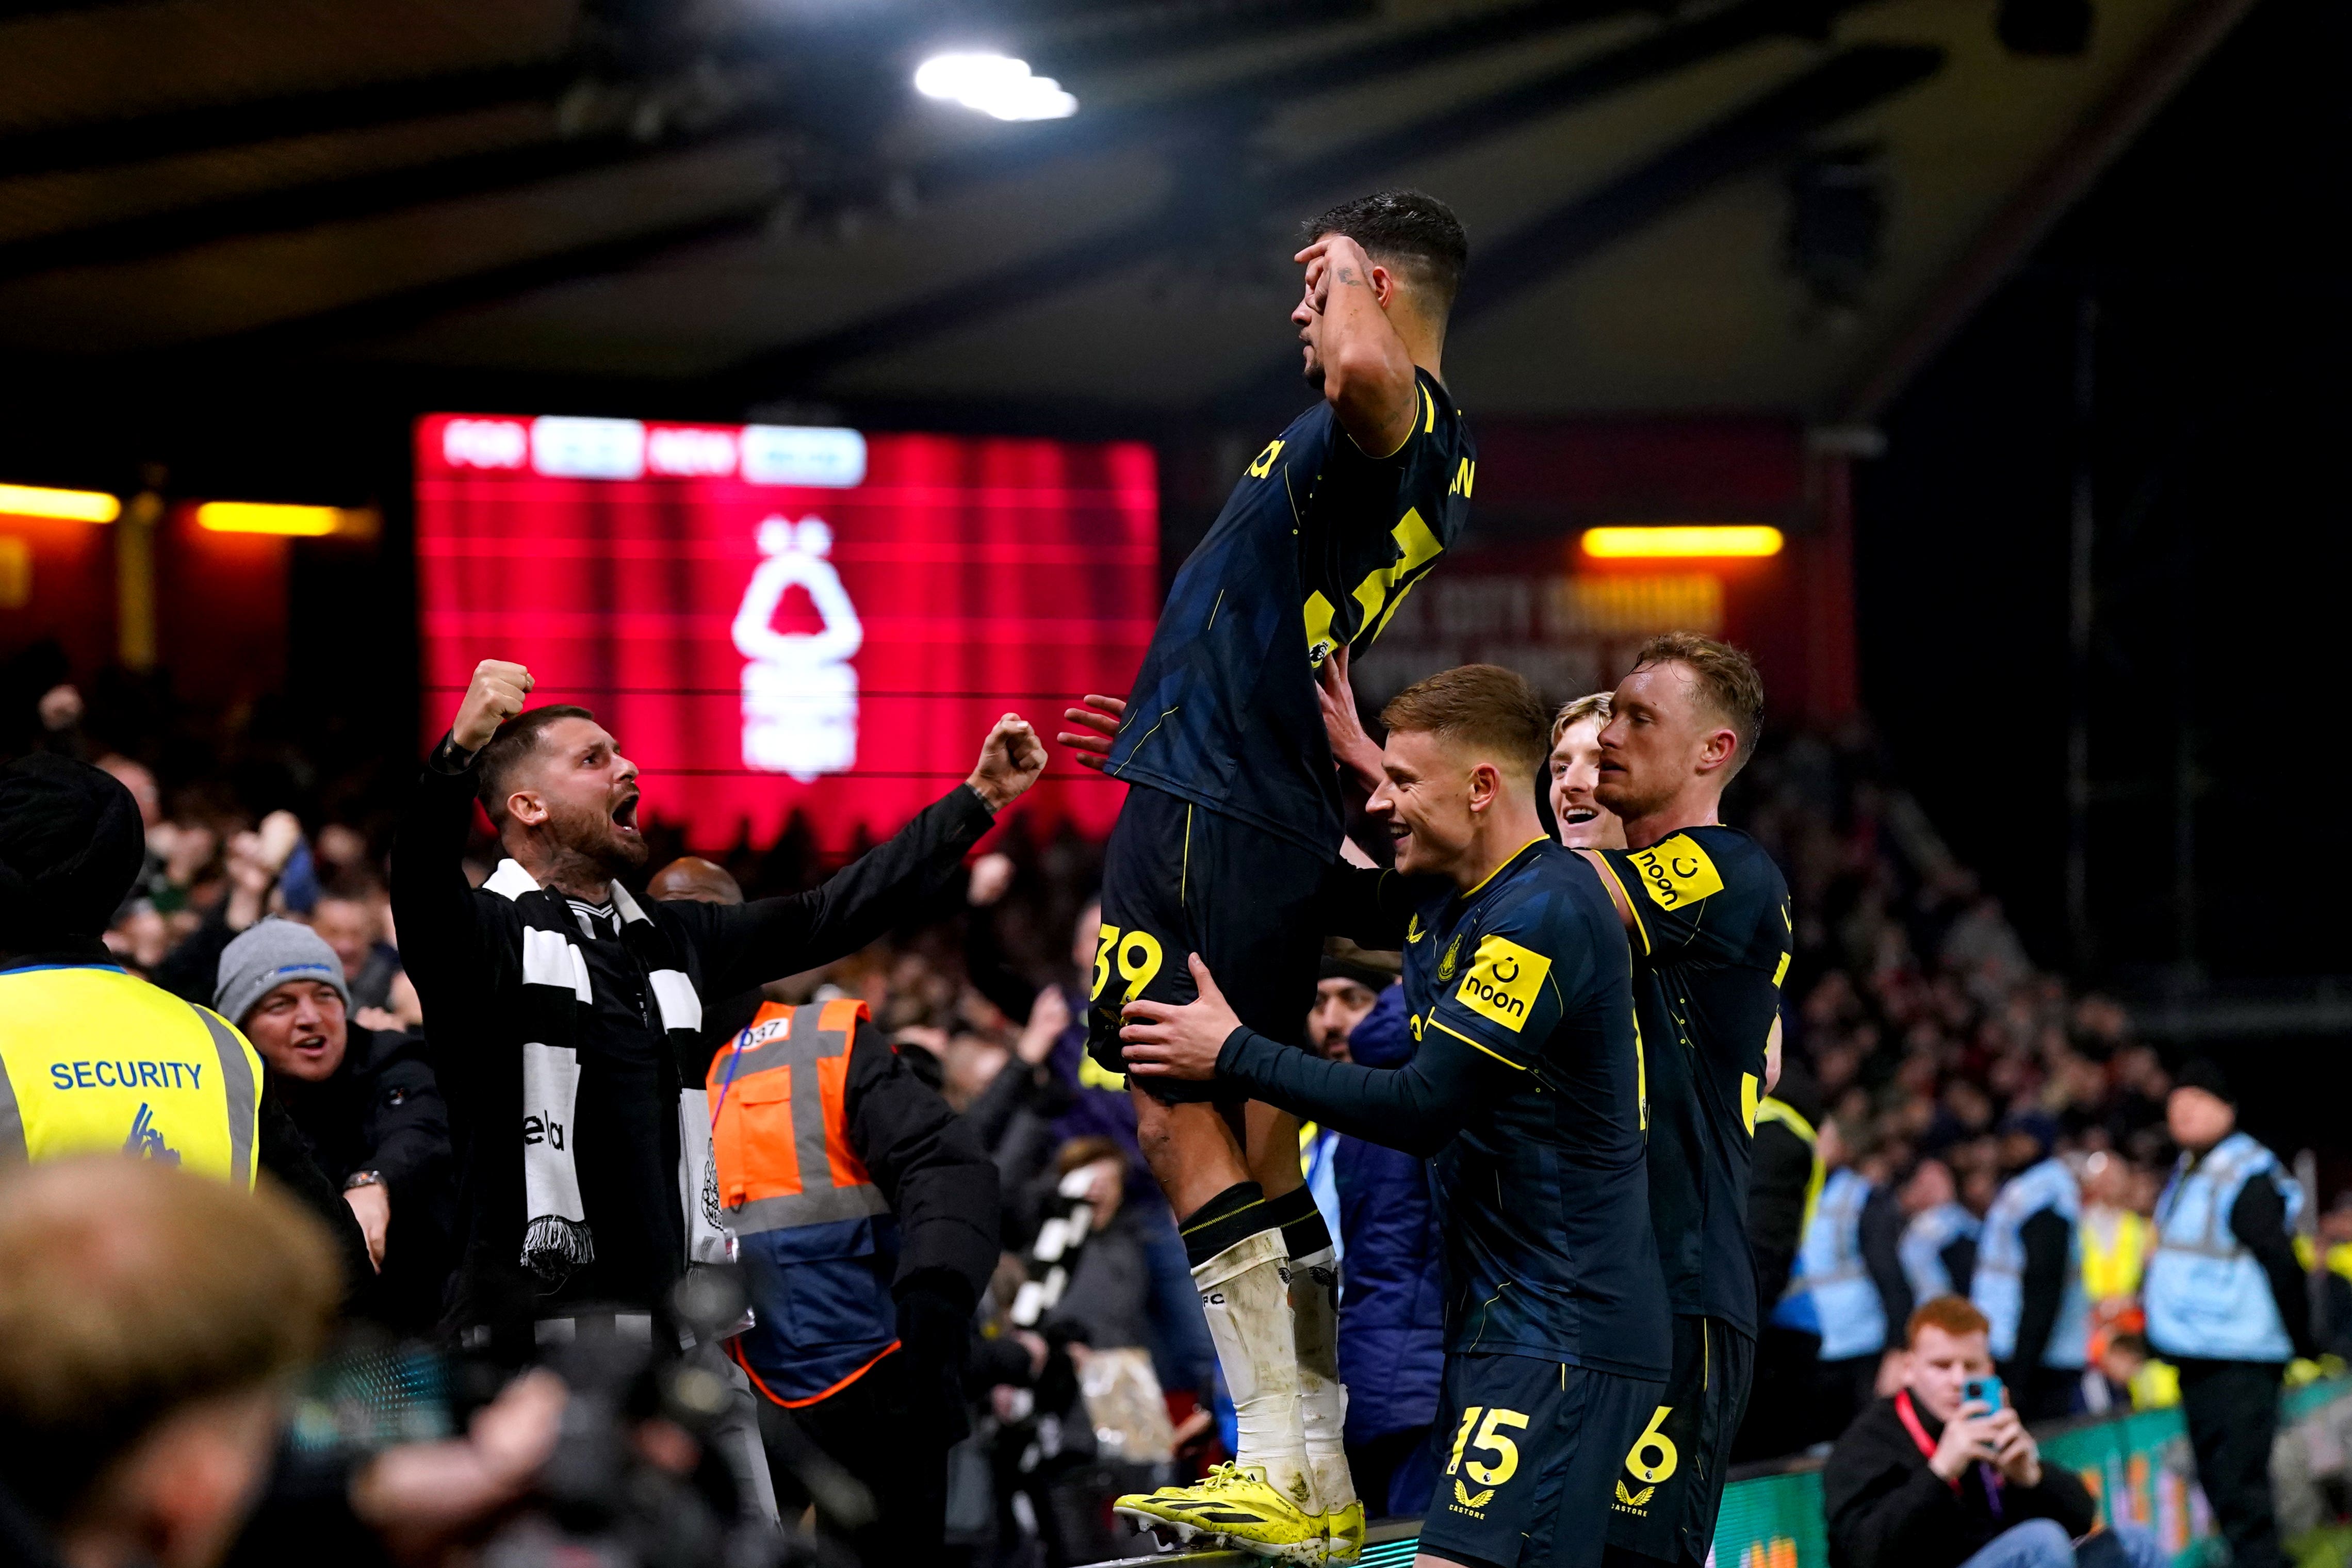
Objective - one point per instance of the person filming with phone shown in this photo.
(1945, 1475)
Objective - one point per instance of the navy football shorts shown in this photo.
(1526, 1451)
(1178, 878)
(1672, 1484)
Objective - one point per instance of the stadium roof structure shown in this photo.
(1767, 206)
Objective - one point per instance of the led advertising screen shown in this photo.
(774, 619)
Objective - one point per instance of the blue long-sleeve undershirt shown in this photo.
(1417, 1108)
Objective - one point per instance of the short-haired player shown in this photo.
(1523, 1092)
(1707, 912)
(1575, 763)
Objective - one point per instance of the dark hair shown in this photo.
(1403, 226)
(355, 885)
(1727, 682)
(1481, 705)
(516, 739)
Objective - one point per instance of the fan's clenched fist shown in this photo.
(494, 697)
(1011, 760)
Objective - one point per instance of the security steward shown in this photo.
(2227, 1302)
(91, 1058)
(864, 1215)
(2028, 1274)
(1784, 1185)
(1835, 1295)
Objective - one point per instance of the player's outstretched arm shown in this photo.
(1358, 754)
(1368, 372)
(1417, 1108)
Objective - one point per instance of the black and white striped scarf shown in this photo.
(555, 993)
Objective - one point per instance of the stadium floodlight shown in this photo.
(1682, 539)
(265, 517)
(71, 506)
(995, 85)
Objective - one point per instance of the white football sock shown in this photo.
(1322, 1398)
(1245, 1291)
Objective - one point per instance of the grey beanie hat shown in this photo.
(271, 954)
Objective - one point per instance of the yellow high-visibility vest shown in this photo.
(2113, 1262)
(96, 1060)
(1770, 1109)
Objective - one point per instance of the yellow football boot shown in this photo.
(1233, 1504)
(1344, 1529)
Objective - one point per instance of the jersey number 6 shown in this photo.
(1651, 1439)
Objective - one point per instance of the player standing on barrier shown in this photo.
(1221, 847)
(1525, 1091)
(1709, 914)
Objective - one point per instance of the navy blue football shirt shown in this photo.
(1315, 549)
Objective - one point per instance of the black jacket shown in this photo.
(1780, 1171)
(382, 1110)
(1882, 1239)
(463, 950)
(2258, 1219)
(2049, 1242)
(1887, 1509)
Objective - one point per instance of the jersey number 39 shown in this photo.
(1136, 952)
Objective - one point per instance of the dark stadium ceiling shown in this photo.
(1768, 205)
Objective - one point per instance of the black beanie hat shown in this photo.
(70, 846)
(2205, 1073)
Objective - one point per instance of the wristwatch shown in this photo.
(364, 1179)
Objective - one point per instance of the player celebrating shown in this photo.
(1525, 1089)
(1222, 845)
(1709, 914)
(1584, 822)
(1575, 762)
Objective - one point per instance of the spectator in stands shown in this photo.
(146, 1316)
(2228, 1303)
(1051, 1093)
(2029, 1273)
(350, 916)
(545, 985)
(1938, 1248)
(1393, 1293)
(888, 1217)
(1344, 992)
(868, 1228)
(1107, 1304)
(2115, 1240)
(1846, 1286)
(1346, 988)
(2330, 1261)
(1932, 1479)
(1784, 1179)
(365, 1102)
(2129, 1377)
(255, 860)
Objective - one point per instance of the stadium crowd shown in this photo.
(1931, 1068)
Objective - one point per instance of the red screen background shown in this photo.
(990, 575)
